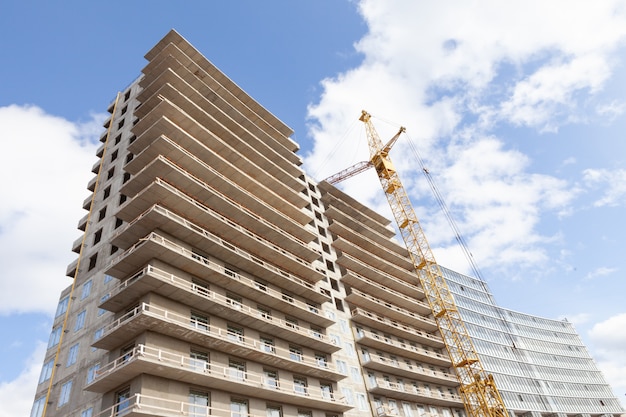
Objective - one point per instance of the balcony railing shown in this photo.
(394, 293)
(413, 391)
(387, 323)
(144, 405)
(293, 262)
(417, 372)
(218, 376)
(306, 311)
(222, 334)
(406, 314)
(188, 253)
(403, 346)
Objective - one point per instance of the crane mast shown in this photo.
(478, 390)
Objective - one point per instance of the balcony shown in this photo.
(413, 393)
(254, 157)
(367, 318)
(191, 153)
(219, 186)
(71, 269)
(410, 350)
(155, 246)
(232, 101)
(247, 222)
(403, 270)
(148, 317)
(149, 360)
(181, 228)
(153, 279)
(389, 294)
(91, 186)
(405, 282)
(140, 405)
(78, 243)
(390, 311)
(395, 367)
(384, 248)
(340, 205)
(82, 223)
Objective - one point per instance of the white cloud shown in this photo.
(452, 73)
(17, 396)
(45, 165)
(600, 272)
(613, 181)
(610, 353)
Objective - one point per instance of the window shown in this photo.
(126, 353)
(361, 402)
(66, 390)
(347, 393)
(295, 353)
(62, 307)
(199, 403)
(46, 371)
(237, 370)
(107, 278)
(122, 400)
(110, 173)
(304, 413)
(87, 413)
(331, 266)
(92, 262)
(86, 290)
(97, 237)
(80, 320)
(199, 321)
(321, 360)
(38, 406)
(125, 177)
(199, 361)
(327, 390)
(274, 411)
(260, 285)
(264, 312)
(129, 157)
(322, 232)
(118, 222)
(291, 322)
(55, 336)
(115, 153)
(72, 355)
(122, 199)
(234, 301)
(200, 287)
(127, 95)
(342, 367)
(235, 333)
(113, 249)
(107, 192)
(98, 333)
(270, 378)
(102, 213)
(121, 124)
(238, 408)
(334, 284)
(92, 372)
(299, 385)
(267, 345)
(338, 304)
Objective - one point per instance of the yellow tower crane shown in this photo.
(478, 389)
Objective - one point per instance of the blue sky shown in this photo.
(517, 110)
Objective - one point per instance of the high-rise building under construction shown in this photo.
(214, 277)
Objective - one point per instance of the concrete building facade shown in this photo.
(214, 277)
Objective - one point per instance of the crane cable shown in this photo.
(446, 211)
